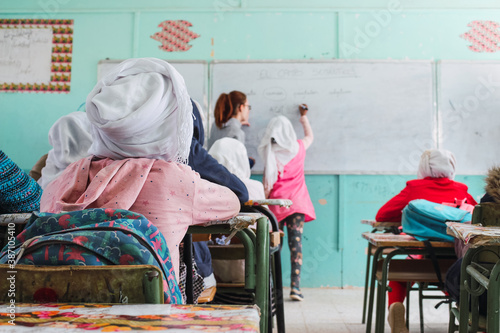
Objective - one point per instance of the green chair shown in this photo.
(480, 271)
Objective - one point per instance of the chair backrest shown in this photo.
(133, 284)
(487, 213)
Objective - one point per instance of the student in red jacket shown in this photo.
(435, 183)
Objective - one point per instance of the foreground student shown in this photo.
(19, 193)
(435, 183)
(142, 126)
(284, 178)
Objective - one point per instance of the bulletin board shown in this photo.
(35, 55)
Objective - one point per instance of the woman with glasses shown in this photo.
(231, 112)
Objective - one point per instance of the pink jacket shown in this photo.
(172, 196)
(291, 184)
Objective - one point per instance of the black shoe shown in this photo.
(296, 295)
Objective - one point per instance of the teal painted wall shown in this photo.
(334, 252)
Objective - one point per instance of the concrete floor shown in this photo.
(340, 310)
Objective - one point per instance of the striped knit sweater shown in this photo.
(19, 193)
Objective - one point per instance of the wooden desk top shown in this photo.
(380, 225)
(240, 221)
(278, 202)
(474, 234)
(391, 240)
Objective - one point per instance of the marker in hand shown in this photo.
(303, 109)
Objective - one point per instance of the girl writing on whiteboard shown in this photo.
(230, 113)
(284, 157)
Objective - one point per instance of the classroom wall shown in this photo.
(334, 252)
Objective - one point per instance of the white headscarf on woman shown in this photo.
(141, 109)
(276, 154)
(437, 163)
(232, 154)
(70, 138)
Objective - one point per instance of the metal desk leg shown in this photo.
(464, 291)
(280, 305)
(188, 261)
(381, 291)
(365, 296)
(262, 271)
(493, 318)
(375, 259)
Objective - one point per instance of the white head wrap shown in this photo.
(232, 154)
(70, 138)
(141, 109)
(277, 155)
(437, 163)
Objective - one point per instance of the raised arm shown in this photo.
(308, 133)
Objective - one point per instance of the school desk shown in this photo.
(400, 245)
(480, 271)
(376, 227)
(256, 246)
(55, 318)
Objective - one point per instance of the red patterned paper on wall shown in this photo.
(483, 35)
(36, 55)
(175, 36)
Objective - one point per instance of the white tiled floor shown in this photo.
(340, 310)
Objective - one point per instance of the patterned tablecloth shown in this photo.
(474, 235)
(136, 317)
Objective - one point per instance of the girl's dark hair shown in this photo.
(227, 106)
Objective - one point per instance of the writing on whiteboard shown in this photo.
(25, 55)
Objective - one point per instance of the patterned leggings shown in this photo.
(295, 227)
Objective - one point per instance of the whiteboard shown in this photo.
(368, 117)
(195, 74)
(469, 113)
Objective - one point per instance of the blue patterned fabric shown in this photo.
(97, 237)
(19, 193)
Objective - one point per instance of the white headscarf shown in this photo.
(141, 109)
(70, 138)
(437, 163)
(277, 155)
(232, 154)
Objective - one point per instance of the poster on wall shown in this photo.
(35, 55)
(175, 35)
(483, 36)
